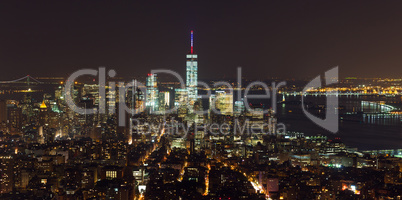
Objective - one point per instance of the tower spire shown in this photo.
(192, 43)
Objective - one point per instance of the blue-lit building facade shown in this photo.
(152, 102)
(192, 74)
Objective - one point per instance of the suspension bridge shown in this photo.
(26, 79)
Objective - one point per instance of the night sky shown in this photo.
(288, 39)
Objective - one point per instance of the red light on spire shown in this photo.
(192, 43)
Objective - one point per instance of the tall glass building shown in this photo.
(164, 100)
(181, 101)
(192, 74)
(221, 102)
(152, 103)
(239, 108)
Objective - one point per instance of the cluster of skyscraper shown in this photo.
(183, 96)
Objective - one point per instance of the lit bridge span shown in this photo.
(28, 80)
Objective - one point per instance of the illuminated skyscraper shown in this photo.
(192, 73)
(239, 108)
(43, 114)
(221, 102)
(14, 118)
(181, 101)
(164, 100)
(152, 103)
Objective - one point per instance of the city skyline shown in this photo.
(200, 100)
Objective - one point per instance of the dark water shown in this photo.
(357, 129)
(360, 125)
